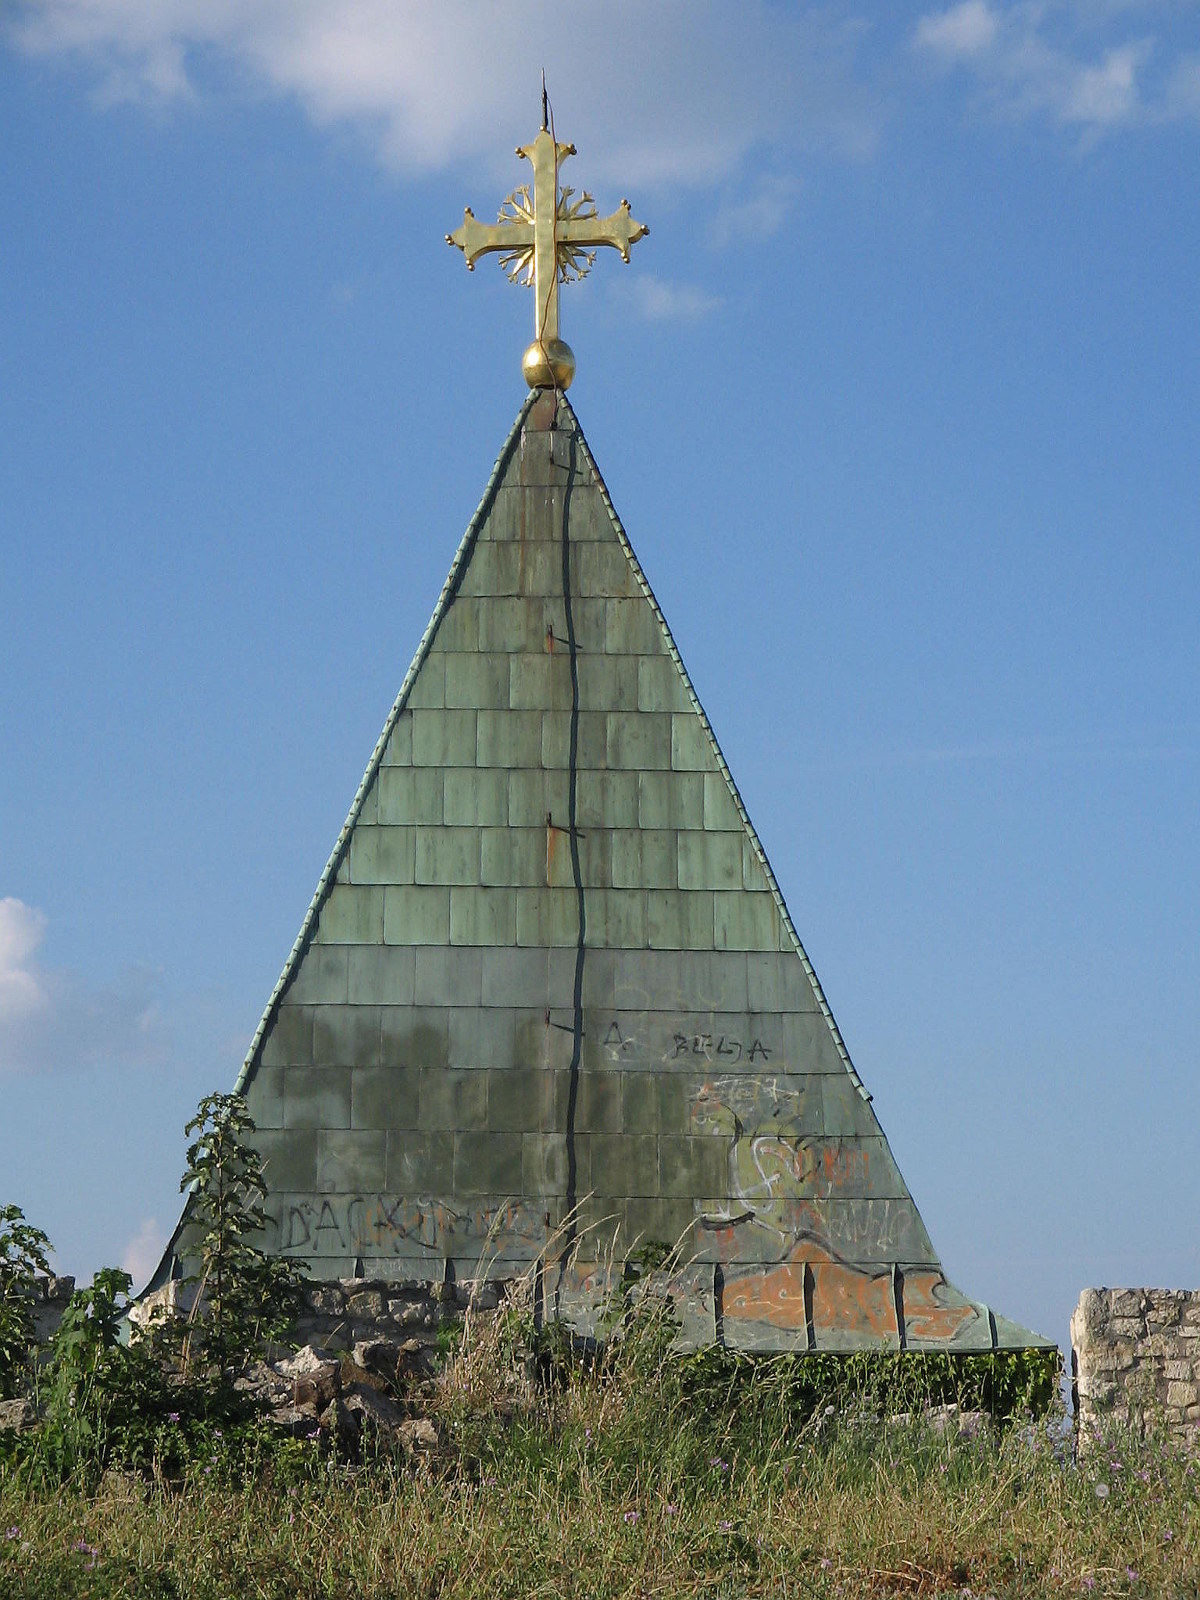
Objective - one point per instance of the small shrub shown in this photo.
(23, 1252)
(244, 1297)
(101, 1400)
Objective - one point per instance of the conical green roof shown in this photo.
(548, 1004)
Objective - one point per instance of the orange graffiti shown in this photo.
(774, 1295)
(851, 1300)
(932, 1309)
(846, 1164)
(845, 1299)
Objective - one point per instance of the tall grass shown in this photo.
(632, 1472)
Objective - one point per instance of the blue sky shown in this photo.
(899, 403)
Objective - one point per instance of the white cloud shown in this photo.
(1058, 59)
(144, 1251)
(676, 92)
(657, 300)
(52, 1018)
(964, 30)
(21, 931)
(1108, 92)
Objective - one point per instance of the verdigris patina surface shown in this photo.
(548, 1004)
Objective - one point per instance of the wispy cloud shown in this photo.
(677, 92)
(754, 214)
(21, 931)
(1090, 68)
(658, 300)
(52, 1018)
(144, 1251)
(964, 30)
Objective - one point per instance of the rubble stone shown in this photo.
(419, 1434)
(368, 1303)
(309, 1359)
(375, 1409)
(318, 1388)
(17, 1416)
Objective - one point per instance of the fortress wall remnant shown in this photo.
(1135, 1360)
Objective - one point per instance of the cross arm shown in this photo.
(477, 238)
(620, 230)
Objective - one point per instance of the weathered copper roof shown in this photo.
(548, 1003)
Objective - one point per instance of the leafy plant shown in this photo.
(109, 1403)
(23, 1252)
(87, 1378)
(244, 1297)
(99, 1399)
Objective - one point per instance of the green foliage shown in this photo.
(86, 1387)
(163, 1399)
(23, 1252)
(1011, 1385)
(109, 1404)
(244, 1297)
(103, 1402)
(91, 1324)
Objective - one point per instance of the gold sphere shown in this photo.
(548, 364)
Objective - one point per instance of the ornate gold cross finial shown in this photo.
(547, 238)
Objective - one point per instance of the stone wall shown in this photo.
(341, 1313)
(1135, 1359)
(52, 1297)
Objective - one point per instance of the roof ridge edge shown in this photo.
(448, 592)
(722, 764)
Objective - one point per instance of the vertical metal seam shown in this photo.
(571, 1230)
(898, 1297)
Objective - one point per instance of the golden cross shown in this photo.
(544, 239)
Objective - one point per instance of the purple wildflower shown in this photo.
(89, 1550)
(631, 1516)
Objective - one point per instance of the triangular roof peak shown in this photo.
(548, 1002)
